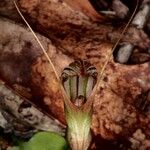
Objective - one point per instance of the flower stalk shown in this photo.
(78, 133)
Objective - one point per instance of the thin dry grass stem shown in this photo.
(45, 53)
(102, 71)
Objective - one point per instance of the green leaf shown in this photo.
(45, 141)
(15, 148)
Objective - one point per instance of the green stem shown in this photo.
(78, 132)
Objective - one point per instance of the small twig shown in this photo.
(124, 53)
(108, 13)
